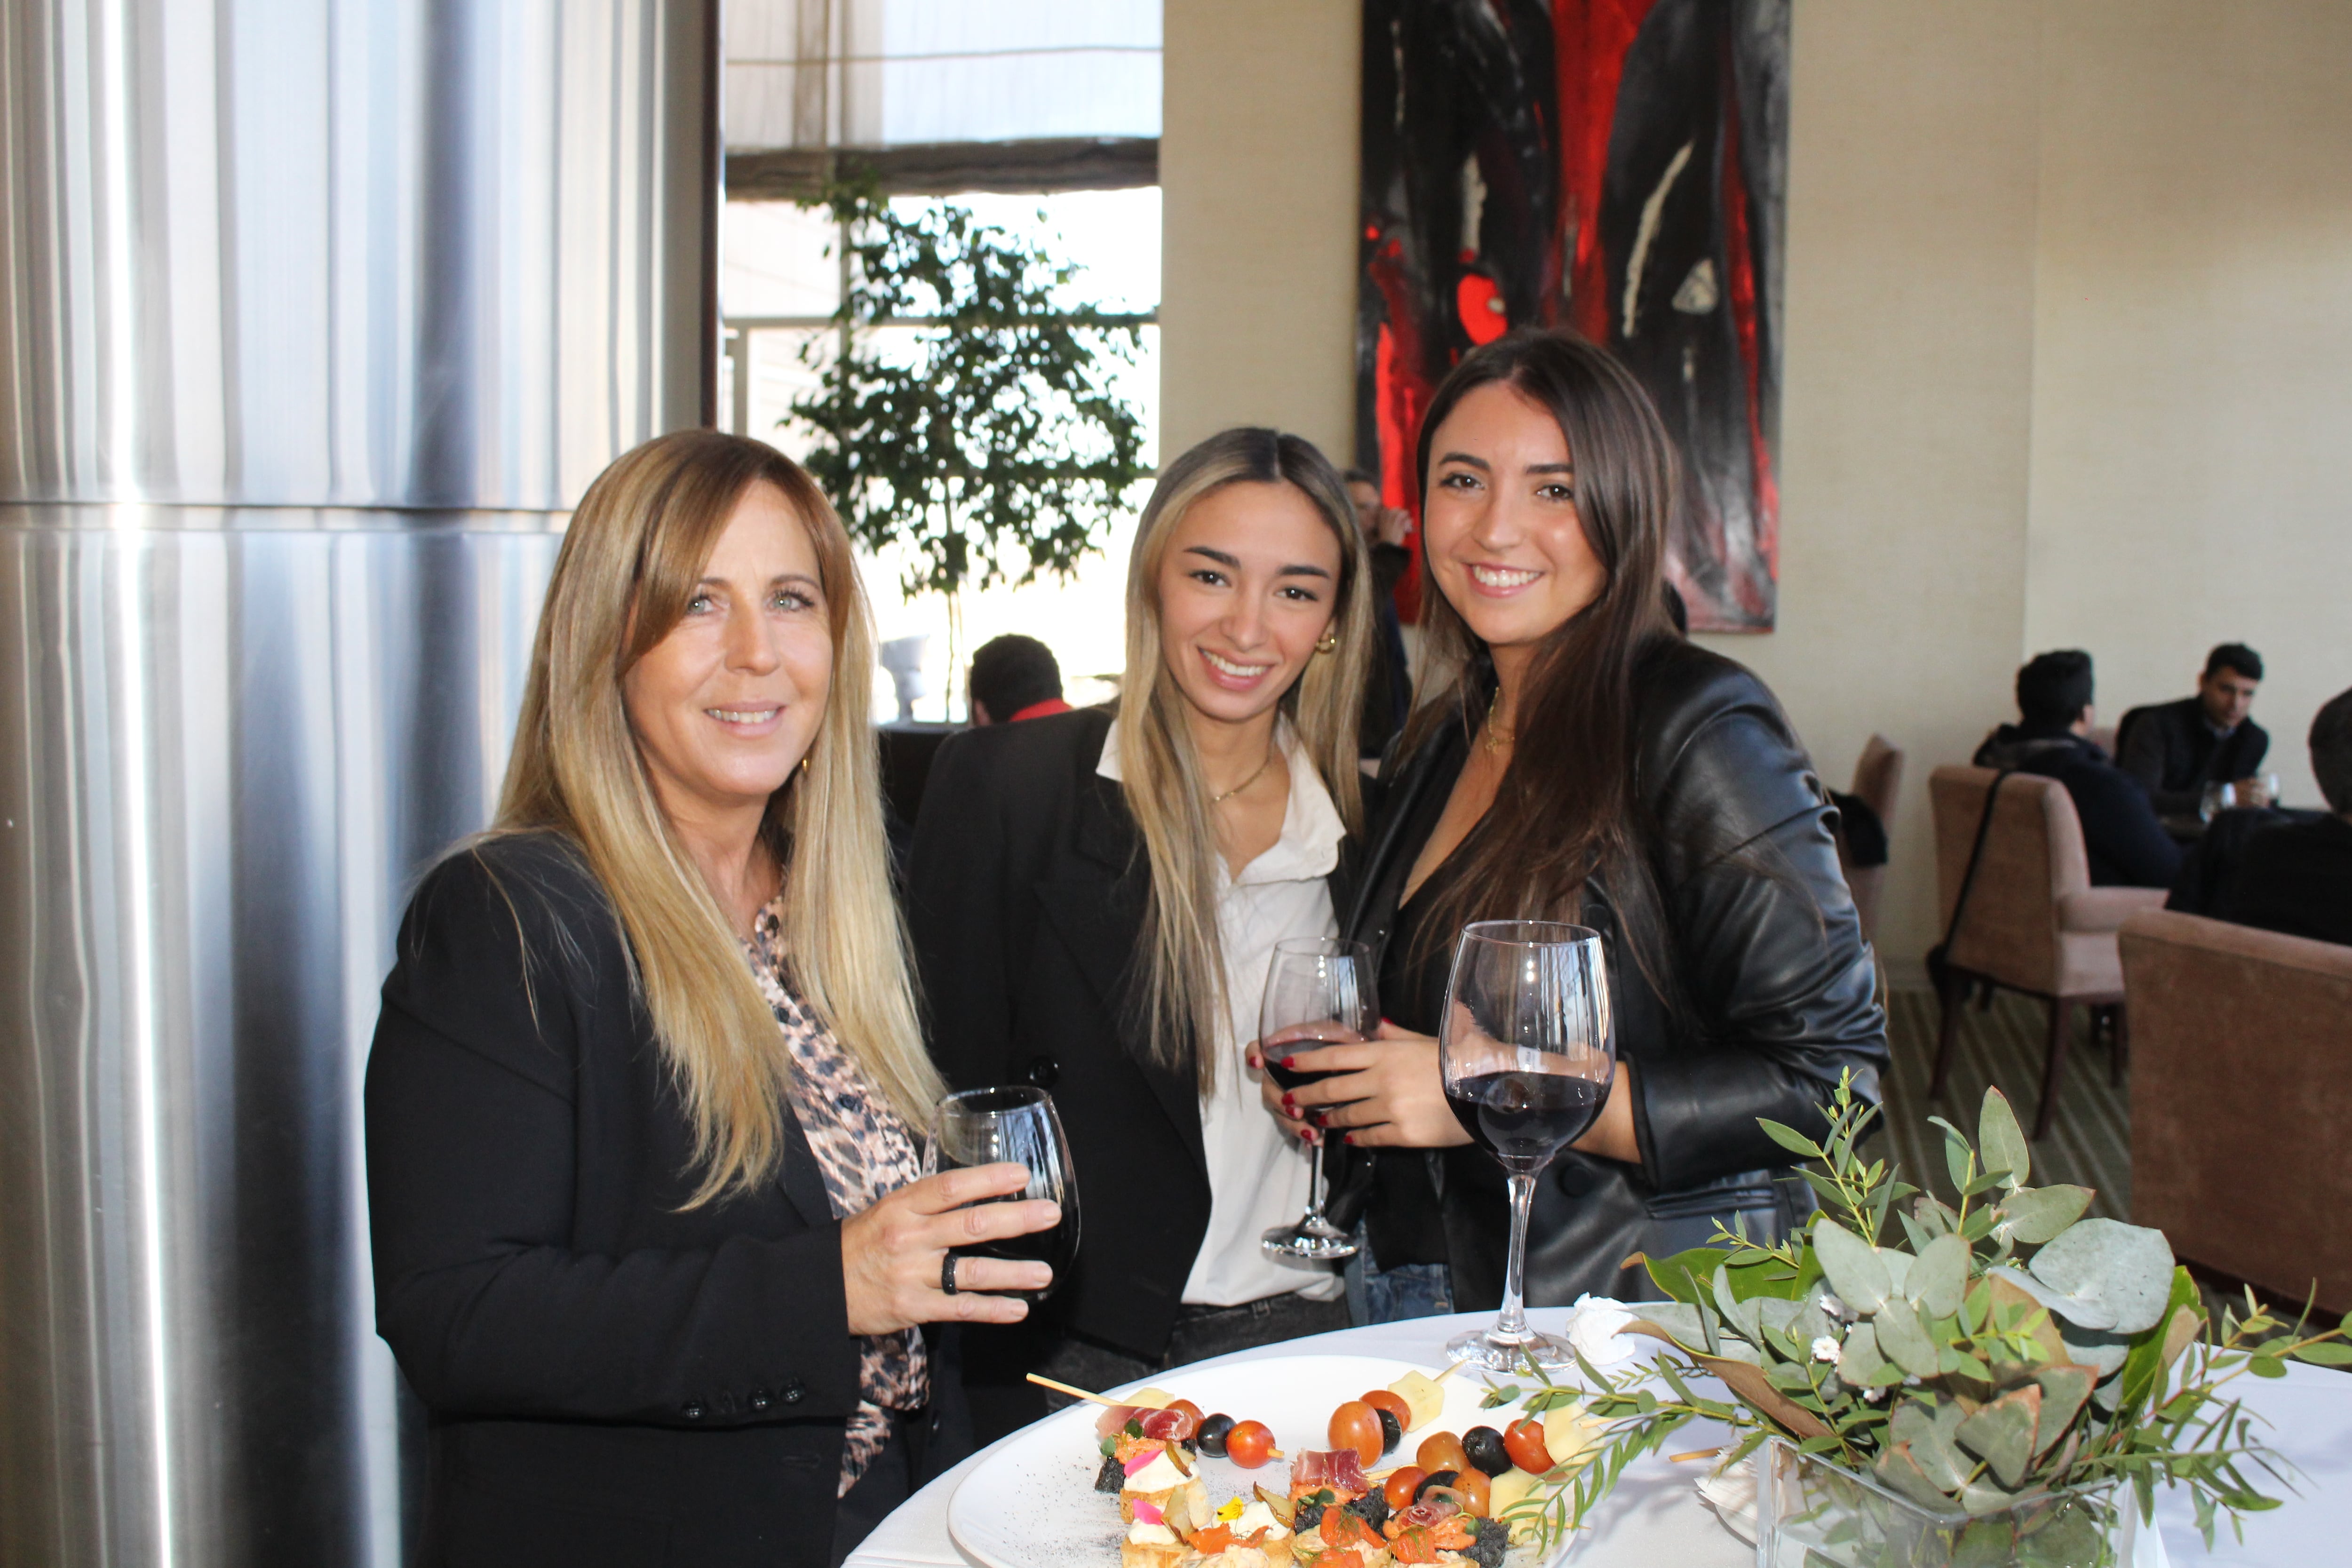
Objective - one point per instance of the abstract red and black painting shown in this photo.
(1613, 166)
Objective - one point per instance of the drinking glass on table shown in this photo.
(984, 1126)
(2215, 799)
(1528, 1048)
(1318, 992)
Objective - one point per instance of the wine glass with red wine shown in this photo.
(986, 1126)
(1318, 992)
(1528, 1049)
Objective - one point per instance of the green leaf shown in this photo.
(1904, 1341)
(1958, 1155)
(1938, 1275)
(2002, 1433)
(2266, 1366)
(1928, 1433)
(2063, 1390)
(2105, 1274)
(1852, 1266)
(2036, 1214)
(1900, 1471)
(2325, 1353)
(1859, 1362)
(1685, 1276)
(1789, 1138)
(2001, 1140)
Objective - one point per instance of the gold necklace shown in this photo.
(1220, 799)
(1496, 736)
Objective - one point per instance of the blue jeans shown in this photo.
(1377, 1294)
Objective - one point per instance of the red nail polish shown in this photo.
(1347, 1138)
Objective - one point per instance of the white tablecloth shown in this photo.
(1655, 1518)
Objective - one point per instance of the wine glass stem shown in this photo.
(1513, 1322)
(1314, 1177)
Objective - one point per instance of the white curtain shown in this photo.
(883, 73)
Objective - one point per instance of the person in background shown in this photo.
(1589, 765)
(2296, 877)
(2126, 843)
(2176, 748)
(1095, 901)
(646, 1100)
(1388, 688)
(1015, 678)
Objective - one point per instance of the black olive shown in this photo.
(1392, 1429)
(1483, 1447)
(1212, 1434)
(1434, 1478)
(1372, 1508)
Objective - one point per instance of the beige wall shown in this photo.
(2069, 342)
(2193, 355)
(1257, 172)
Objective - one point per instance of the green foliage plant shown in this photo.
(996, 447)
(1973, 1359)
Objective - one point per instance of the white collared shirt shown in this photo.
(1257, 1178)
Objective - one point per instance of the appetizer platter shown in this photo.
(1294, 1462)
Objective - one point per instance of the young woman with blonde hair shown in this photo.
(1095, 901)
(647, 1090)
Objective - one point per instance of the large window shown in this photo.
(1041, 117)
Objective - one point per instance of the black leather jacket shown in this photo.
(1780, 990)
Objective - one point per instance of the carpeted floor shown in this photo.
(2089, 1141)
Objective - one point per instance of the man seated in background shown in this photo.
(2127, 844)
(1015, 678)
(1388, 688)
(2176, 748)
(2296, 877)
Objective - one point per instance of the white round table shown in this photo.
(1654, 1517)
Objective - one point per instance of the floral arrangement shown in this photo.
(1974, 1360)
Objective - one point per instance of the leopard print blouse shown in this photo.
(865, 1152)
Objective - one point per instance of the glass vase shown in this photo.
(1812, 1513)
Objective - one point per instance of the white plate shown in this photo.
(1032, 1503)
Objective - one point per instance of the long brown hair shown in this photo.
(1566, 807)
(1184, 997)
(631, 559)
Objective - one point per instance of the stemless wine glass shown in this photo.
(1529, 1048)
(984, 1126)
(1319, 990)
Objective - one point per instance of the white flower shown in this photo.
(1872, 1395)
(1834, 1308)
(1592, 1326)
(1825, 1349)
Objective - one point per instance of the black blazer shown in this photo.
(610, 1378)
(1782, 988)
(1025, 897)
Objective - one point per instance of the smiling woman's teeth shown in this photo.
(1502, 577)
(1246, 671)
(741, 715)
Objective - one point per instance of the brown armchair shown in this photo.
(2240, 1093)
(2035, 924)
(1878, 781)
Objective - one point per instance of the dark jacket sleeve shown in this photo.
(2147, 757)
(957, 919)
(2120, 829)
(1780, 985)
(474, 1091)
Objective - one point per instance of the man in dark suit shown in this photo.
(1015, 678)
(2127, 845)
(2297, 877)
(2176, 748)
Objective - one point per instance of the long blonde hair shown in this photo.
(632, 555)
(1184, 998)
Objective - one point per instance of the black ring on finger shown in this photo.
(947, 1274)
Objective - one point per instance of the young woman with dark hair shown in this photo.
(1585, 763)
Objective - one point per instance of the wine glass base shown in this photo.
(1316, 1241)
(1497, 1351)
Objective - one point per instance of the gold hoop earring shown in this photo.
(1328, 642)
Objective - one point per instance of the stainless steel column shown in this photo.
(315, 315)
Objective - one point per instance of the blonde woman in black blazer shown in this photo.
(646, 1102)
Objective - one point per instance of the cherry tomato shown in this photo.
(1525, 1443)
(1475, 1493)
(1401, 1486)
(1357, 1425)
(1248, 1444)
(1442, 1451)
(1382, 1399)
(1212, 1434)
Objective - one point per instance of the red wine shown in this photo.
(1526, 1118)
(1290, 1078)
(1054, 1247)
